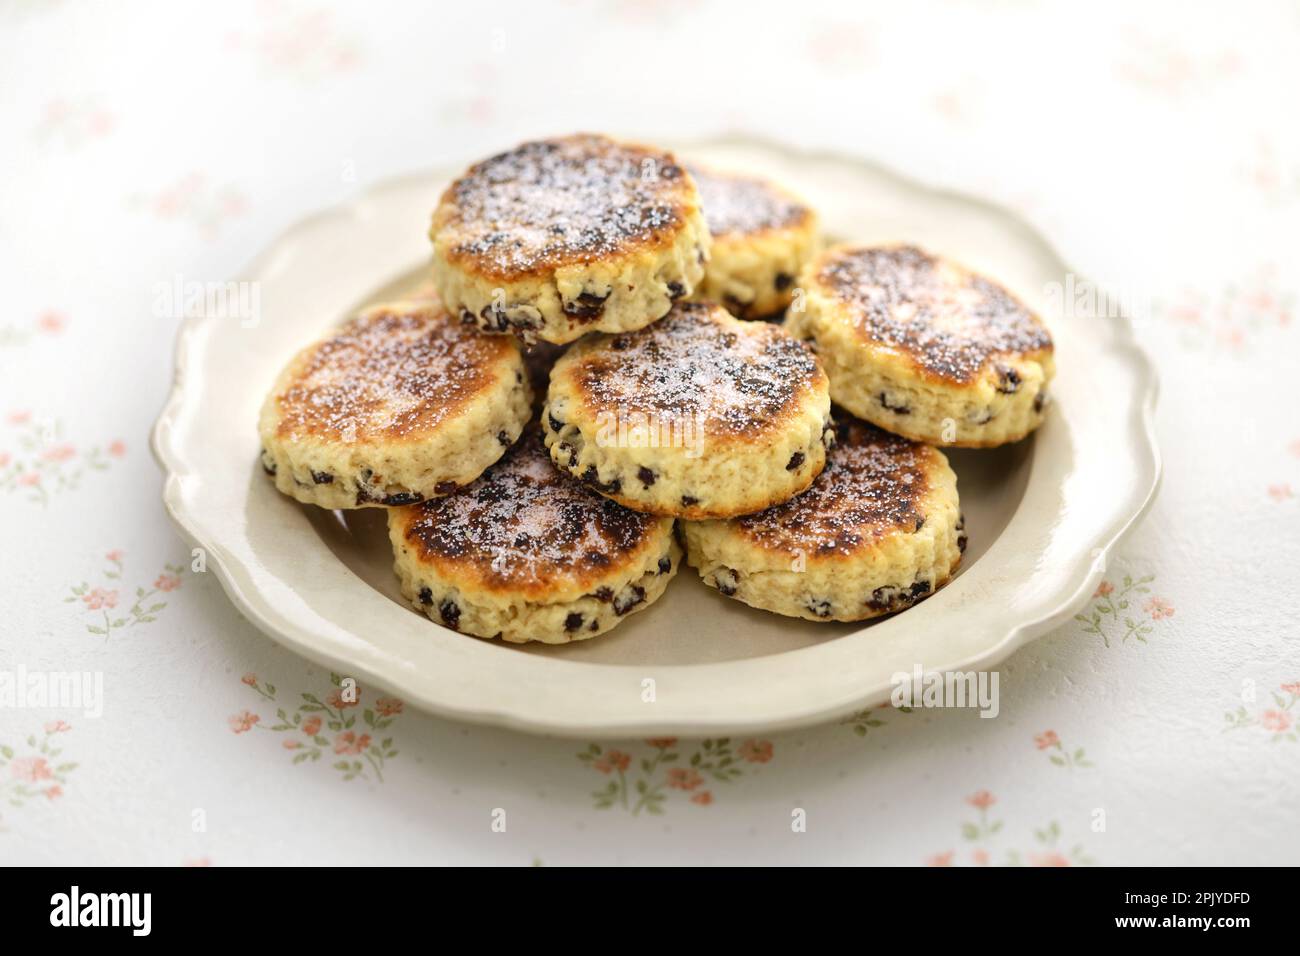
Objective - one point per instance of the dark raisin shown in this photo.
(269, 469)
(665, 565)
(595, 626)
(573, 621)
(1008, 380)
(821, 608)
(503, 439)
(603, 594)
(676, 290)
(961, 542)
(628, 599)
(619, 343)
(920, 588)
(883, 599)
(403, 498)
(322, 477)
(783, 281)
(591, 477)
(689, 502)
(646, 475)
(450, 613)
(554, 422)
(494, 318)
(896, 409)
(795, 461)
(445, 487)
(587, 305)
(920, 523)
(466, 316)
(365, 497)
(1040, 400)
(426, 596)
(726, 581)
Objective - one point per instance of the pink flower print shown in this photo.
(115, 556)
(981, 799)
(1047, 739)
(4, 459)
(1280, 493)
(612, 760)
(940, 859)
(1277, 721)
(1103, 589)
(388, 706)
(30, 478)
(683, 778)
(51, 323)
(755, 751)
(250, 679)
(981, 857)
(337, 701)
(59, 452)
(291, 744)
(703, 798)
(1159, 609)
(1047, 859)
(30, 769)
(167, 582)
(1294, 447)
(311, 726)
(54, 792)
(1292, 688)
(661, 743)
(99, 599)
(243, 721)
(349, 743)
(19, 418)
(57, 727)
(117, 448)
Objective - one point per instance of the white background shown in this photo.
(1155, 145)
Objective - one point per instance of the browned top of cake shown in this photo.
(872, 485)
(395, 372)
(744, 205)
(557, 202)
(524, 527)
(698, 367)
(949, 321)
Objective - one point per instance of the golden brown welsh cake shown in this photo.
(526, 553)
(923, 347)
(400, 404)
(762, 238)
(879, 530)
(699, 415)
(560, 237)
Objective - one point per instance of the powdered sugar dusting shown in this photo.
(698, 363)
(524, 524)
(558, 201)
(871, 486)
(393, 371)
(740, 205)
(949, 320)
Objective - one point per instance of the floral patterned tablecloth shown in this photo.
(1156, 147)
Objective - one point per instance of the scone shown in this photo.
(762, 238)
(923, 347)
(401, 404)
(528, 554)
(561, 237)
(700, 415)
(879, 530)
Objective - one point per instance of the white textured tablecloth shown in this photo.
(1155, 145)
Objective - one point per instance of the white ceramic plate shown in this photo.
(1041, 515)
